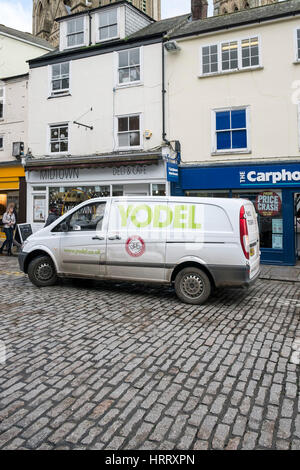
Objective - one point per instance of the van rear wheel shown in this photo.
(41, 271)
(192, 286)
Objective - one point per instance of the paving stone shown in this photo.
(133, 368)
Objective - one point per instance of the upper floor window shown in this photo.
(230, 56)
(231, 130)
(1, 142)
(129, 67)
(108, 24)
(1, 102)
(59, 138)
(129, 131)
(75, 32)
(60, 78)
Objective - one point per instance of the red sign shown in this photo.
(268, 204)
(135, 246)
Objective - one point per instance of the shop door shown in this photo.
(297, 225)
(83, 247)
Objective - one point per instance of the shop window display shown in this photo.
(268, 205)
(65, 198)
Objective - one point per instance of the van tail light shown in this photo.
(244, 232)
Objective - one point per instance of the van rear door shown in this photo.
(253, 234)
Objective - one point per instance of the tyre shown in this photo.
(41, 271)
(192, 286)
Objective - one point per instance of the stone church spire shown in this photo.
(221, 7)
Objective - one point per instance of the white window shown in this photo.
(59, 138)
(129, 66)
(129, 131)
(298, 44)
(1, 142)
(231, 130)
(108, 24)
(230, 56)
(75, 32)
(1, 102)
(60, 79)
(250, 52)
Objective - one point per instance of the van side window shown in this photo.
(87, 218)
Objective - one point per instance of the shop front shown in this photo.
(274, 190)
(67, 186)
(12, 190)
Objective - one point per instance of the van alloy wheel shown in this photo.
(41, 271)
(192, 286)
(44, 272)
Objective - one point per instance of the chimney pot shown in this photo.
(199, 9)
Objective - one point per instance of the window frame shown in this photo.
(130, 147)
(63, 92)
(77, 32)
(214, 149)
(98, 39)
(2, 99)
(117, 68)
(297, 50)
(50, 126)
(240, 67)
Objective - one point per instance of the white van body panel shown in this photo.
(149, 238)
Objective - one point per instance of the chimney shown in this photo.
(199, 9)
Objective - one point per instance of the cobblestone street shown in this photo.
(107, 366)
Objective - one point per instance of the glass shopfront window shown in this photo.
(65, 198)
(6, 198)
(268, 205)
(158, 189)
(216, 193)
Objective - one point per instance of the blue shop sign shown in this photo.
(238, 177)
(172, 172)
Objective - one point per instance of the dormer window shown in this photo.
(75, 32)
(108, 25)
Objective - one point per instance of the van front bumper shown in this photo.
(21, 258)
(232, 275)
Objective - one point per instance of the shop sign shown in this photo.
(172, 172)
(273, 177)
(268, 204)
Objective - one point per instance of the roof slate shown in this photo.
(25, 36)
(253, 15)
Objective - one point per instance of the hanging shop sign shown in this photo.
(268, 204)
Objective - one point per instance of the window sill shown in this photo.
(229, 72)
(58, 96)
(231, 152)
(129, 85)
(296, 62)
(125, 149)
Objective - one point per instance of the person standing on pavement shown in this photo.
(9, 221)
(52, 216)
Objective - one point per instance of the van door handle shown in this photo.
(114, 237)
(98, 238)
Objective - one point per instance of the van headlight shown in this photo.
(24, 244)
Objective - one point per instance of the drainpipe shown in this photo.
(90, 28)
(164, 97)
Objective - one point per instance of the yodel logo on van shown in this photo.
(179, 216)
(270, 176)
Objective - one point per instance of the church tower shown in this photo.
(45, 11)
(221, 7)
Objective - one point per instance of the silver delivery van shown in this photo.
(196, 244)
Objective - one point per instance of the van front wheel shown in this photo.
(192, 286)
(41, 271)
